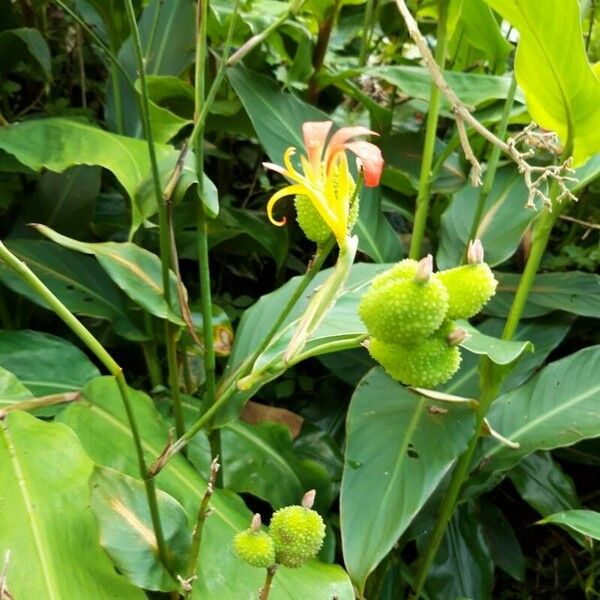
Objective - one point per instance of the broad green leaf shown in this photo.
(101, 424)
(562, 92)
(586, 522)
(108, 18)
(172, 93)
(543, 485)
(45, 519)
(257, 459)
(16, 44)
(463, 566)
(167, 36)
(59, 143)
(502, 352)
(398, 450)
(64, 201)
(472, 88)
(574, 292)
(121, 507)
(135, 270)
(277, 117)
(478, 27)
(504, 220)
(558, 407)
(78, 281)
(545, 335)
(44, 363)
(502, 541)
(11, 389)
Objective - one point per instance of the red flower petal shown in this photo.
(315, 133)
(371, 159)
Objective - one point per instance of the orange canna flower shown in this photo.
(325, 177)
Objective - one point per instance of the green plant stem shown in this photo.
(492, 165)
(366, 33)
(323, 37)
(229, 385)
(149, 350)
(40, 402)
(203, 513)
(31, 279)
(163, 228)
(424, 195)
(266, 588)
(458, 476)
(491, 378)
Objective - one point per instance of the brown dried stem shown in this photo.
(535, 176)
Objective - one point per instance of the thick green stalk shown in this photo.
(164, 238)
(492, 165)
(366, 33)
(492, 377)
(424, 195)
(31, 279)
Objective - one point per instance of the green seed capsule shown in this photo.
(298, 534)
(424, 364)
(469, 288)
(255, 547)
(404, 304)
(310, 221)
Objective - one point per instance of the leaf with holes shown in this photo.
(399, 447)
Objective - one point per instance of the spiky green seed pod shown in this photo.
(298, 534)
(255, 547)
(310, 221)
(469, 288)
(404, 309)
(405, 269)
(424, 364)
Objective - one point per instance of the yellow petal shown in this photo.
(289, 190)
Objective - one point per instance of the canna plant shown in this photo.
(189, 363)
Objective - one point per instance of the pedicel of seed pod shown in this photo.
(405, 309)
(469, 286)
(298, 532)
(254, 546)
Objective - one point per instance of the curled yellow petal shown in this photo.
(289, 190)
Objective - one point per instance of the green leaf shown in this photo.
(167, 33)
(15, 43)
(576, 293)
(586, 522)
(543, 485)
(44, 363)
(481, 30)
(544, 335)
(502, 541)
(558, 407)
(277, 117)
(101, 424)
(45, 518)
(463, 565)
(12, 389)
(135, 270)
(562, 95)
(472, 88)
(503, 221)
(59, 143)
(397, 452)
(107, 17)
(78, 281)
(502, 352)
(121, 507)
